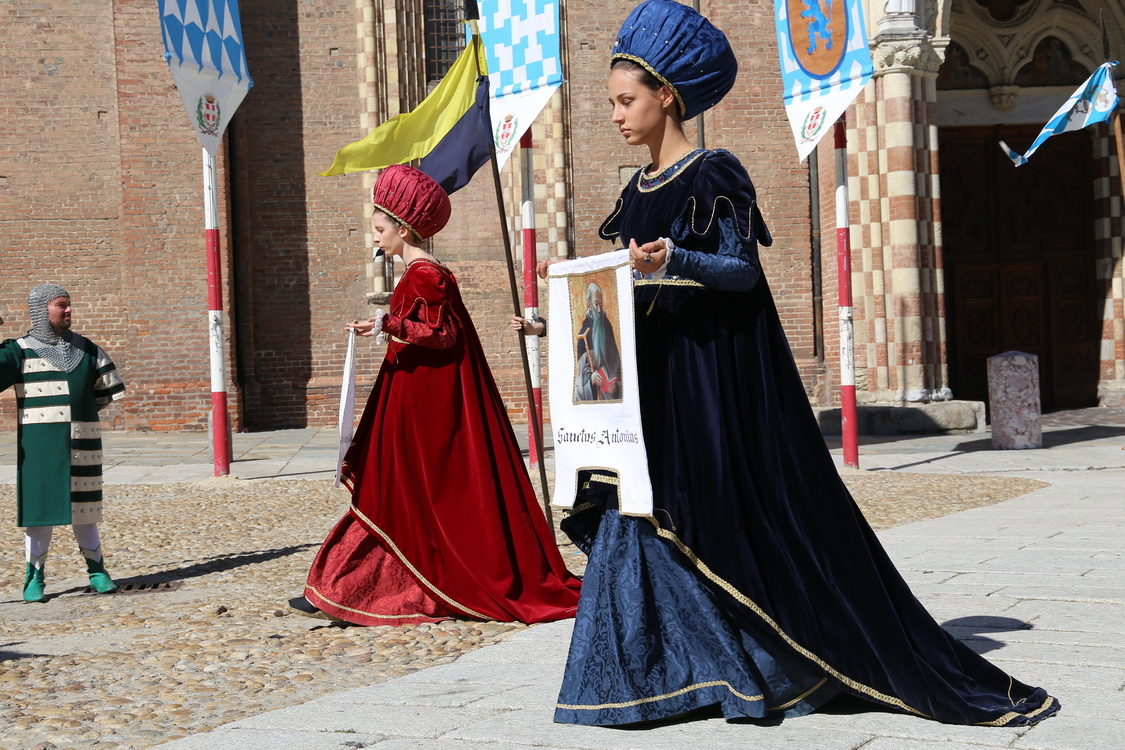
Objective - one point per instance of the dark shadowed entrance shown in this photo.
(1019, 260)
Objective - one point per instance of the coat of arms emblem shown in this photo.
(208, 115)
(505, 132)
(813, 123)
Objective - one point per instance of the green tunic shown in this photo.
(59, 474)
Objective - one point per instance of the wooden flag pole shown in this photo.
(536, 431)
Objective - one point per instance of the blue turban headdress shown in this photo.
(682, 49)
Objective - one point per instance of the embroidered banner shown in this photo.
(595, 409)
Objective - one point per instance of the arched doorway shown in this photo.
(1019, 258)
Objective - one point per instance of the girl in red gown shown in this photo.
(443, 522)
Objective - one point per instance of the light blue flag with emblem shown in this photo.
(203, 47)
(522, 45)
(825, 63)
(1093, 102)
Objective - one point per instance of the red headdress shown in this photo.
(413, 199)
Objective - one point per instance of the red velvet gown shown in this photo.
(444, 522)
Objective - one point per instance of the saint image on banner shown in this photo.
(597, 376)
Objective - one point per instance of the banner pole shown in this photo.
(537, 440)
(531, 292)
(220, 420)
(848, 427)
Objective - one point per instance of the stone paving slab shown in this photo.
(996, 581)
(341, 714)
(1100, 595)
(1106, 681)
(1077, 616)
(447, 695)
(898, 743)
(1074, 733)
(1098, 657)
(535, 727)
(282, 739)
(1035, 636)
(886, 724)
(504, 675)
(530, 652)
(447, 744)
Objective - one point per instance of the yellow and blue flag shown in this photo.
(449, 131)
(1093, 102)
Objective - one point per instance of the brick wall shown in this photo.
(100, 190)
(104, 196)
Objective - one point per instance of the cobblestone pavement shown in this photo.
(130, 671)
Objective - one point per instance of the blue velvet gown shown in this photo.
(756, 585)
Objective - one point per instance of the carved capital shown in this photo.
(1004, 97)
(899, 54)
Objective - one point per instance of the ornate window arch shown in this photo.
(1002, 38)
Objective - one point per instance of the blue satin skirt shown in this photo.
(651, 640)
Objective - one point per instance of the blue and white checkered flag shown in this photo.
(203, 47)
(1093, 102)
(522, 42)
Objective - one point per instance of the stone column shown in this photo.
(905, 64)
(371, 63)
(1110, 269)
(869, 285)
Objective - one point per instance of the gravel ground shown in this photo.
(129, 671)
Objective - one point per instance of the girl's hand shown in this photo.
(362, 328)
(648, 257)
(541, 268)
(527, 327)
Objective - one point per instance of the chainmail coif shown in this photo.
(56, 349)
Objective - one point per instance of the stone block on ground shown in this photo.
(1013, 396)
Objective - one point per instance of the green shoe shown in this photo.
(99, 579)
(33, 585)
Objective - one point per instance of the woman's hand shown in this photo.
(648, 257)
(363, 328)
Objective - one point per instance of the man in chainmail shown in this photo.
(62, 381)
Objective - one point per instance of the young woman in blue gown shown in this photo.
(756, 584)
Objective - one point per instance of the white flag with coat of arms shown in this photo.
(1093, 102)
(522, 44)
(825, 63)
(203, 47)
